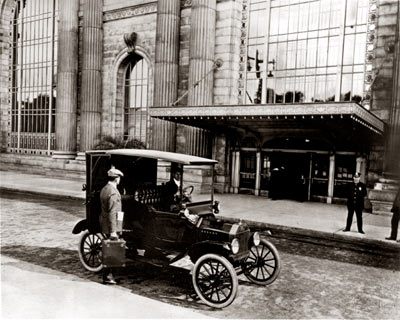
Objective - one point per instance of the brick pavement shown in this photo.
(308, 218)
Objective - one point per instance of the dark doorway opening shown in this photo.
(289, 176)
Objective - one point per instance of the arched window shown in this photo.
(33, 81)
(136, 117)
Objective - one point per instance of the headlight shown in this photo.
(235, 246)
(256, 238)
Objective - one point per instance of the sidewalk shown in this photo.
(308, 219)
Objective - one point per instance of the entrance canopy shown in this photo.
(343, 123)
(254, 113)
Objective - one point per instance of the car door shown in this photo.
(97, 166)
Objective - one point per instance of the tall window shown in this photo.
(34, 80)
(136, 118)
(298, 52)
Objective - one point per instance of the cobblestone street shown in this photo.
(315, 281)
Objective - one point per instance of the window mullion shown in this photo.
(343, 5)
(53, 21)
(19, 117)
(266, 50)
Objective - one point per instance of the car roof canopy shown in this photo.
(160, 155)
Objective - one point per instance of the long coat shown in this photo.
(110, 200)
(355, 196)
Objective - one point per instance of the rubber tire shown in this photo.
(84, 237)
(199, 263)
(277, 269)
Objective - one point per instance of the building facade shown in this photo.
(290, 96)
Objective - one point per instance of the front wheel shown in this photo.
(90, 251)
(215, 280)
(263, 264)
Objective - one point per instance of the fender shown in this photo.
(198, 249)
(80, 226)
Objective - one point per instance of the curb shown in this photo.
(307, 235)
(63, 195)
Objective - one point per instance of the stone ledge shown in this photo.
(382, 195)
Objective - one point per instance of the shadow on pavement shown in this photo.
(73, 207)
(170, 284)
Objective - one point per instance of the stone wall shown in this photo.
(183, 68)
(227, 48)
(382, 89)
(383, 62)
(141, 20)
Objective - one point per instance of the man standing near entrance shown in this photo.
(355, 202)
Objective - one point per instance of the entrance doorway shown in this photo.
(289, 175)
(247, 170)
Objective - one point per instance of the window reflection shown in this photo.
(303, 42)
(136, 100)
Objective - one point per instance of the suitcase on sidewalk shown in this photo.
(113, 252)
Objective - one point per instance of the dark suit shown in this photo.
(355, 202)
(396, 216)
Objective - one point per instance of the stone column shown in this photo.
(201, 54)
(237, 172)
(233, 173)
(201, 65)
(92, 59)
(331, 178)
(67, 80)
(166, 68)
(258, 173)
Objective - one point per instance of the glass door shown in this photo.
(319, 175)
(247, 169)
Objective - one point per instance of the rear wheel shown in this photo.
(215, 280)
(90, 251)
(263, 264)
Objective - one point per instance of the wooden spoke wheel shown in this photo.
(215, 280)
(263, 264)
(90, 251)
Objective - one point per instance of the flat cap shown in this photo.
(113, 173)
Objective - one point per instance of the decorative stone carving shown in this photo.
(130, 41)
(369, 53)
(129, 12)
(186, 3)
(243, 51)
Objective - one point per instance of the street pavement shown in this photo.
(42, 276)
(69, 296)
(309, 219)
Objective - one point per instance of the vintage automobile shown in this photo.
(160, 225)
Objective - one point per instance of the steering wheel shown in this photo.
(188, 190)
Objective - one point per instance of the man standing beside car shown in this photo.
(110, 200)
